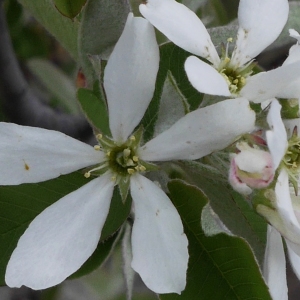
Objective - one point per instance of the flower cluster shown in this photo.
(63, 236)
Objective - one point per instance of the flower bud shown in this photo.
(250, 168)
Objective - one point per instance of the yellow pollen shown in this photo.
(99, 136)
(230, 40)
(130, 171)
(142, 168)
(130, 163)
(97, 147)
(135, 158)
(87, 174)
(126, 152)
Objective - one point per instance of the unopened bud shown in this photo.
(250, 169)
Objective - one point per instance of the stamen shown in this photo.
(88, 173)
(130, 171)
(97, 147)
(130, 163)
(143, 168)
(126, 152)
(99, 136)
(226, 60)
(229, 40)
(135, 158)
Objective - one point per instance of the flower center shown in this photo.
(121, 159)
(234, 80)
(291, 160)
(235, 77)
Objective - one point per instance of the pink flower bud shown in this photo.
(250, 168)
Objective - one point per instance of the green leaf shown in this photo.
(173, 105)
(219, 35)
(101, 26)
(62, 28)
(220, 267)
(56, 82)
(95, 110)
(20, 204)
(98, 257)
(69, 8)
(172, 59)
(118, 213)
(232, 208)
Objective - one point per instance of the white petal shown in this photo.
(294, 55)
(182, 26)
(289, 226)
(129, 77)
(201, 132)
(29, 154)
(274, 266)
(159, 245)
(290, 125)
(261, 22)
(60, 239)
(205, 78)
(276, 137)
(284, 201)
(295, 34)
(292, 90)
(266, 85)
(295, 261)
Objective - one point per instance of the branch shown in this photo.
(20, 104)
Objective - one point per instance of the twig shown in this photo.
(20, 104)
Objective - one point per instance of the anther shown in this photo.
(135, 158)
(142, 168)
(130, 163)
(99, 136)
(126, 152)
(131, 171)
(87, 175)
(97, 147)
(132, 138)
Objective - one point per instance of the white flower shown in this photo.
(284, 215)
(292, 90)
(60, 239)
(274, 269)
(259, 26)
